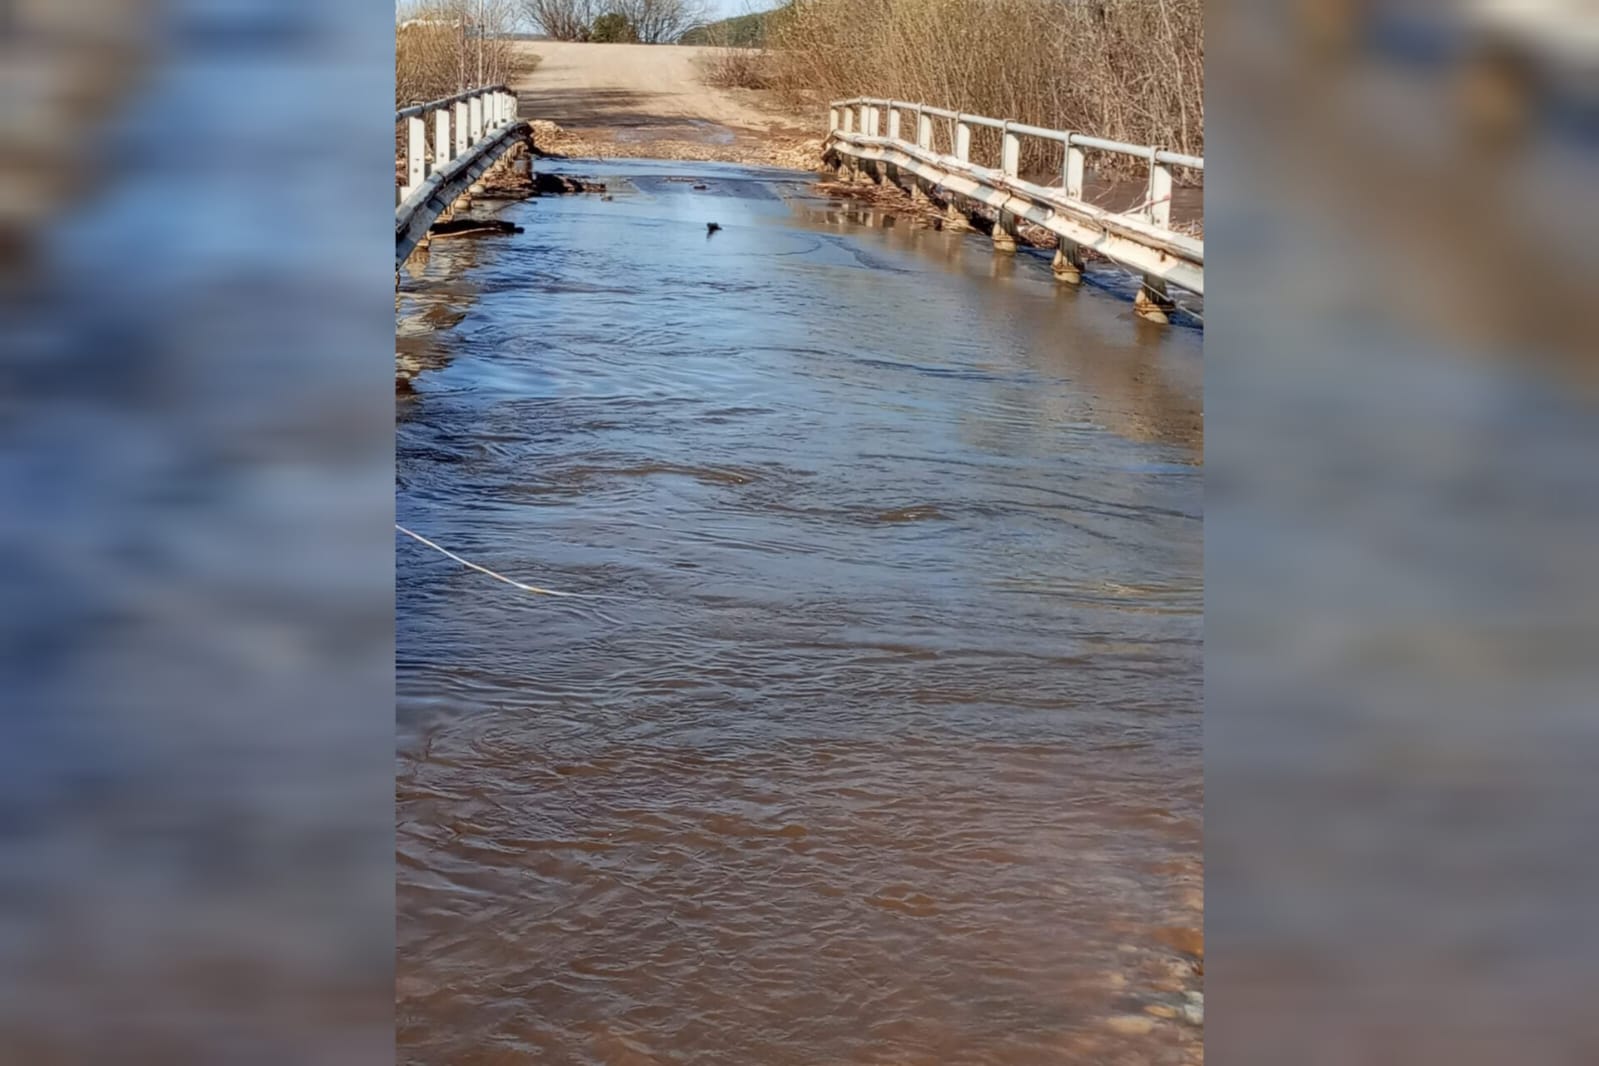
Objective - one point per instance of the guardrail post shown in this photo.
(1152, 301)
(846, 125)
(1068, 263)
(1010, 163)
(441, 139)
(874, 128)
(831, 160)
(954, 216)
(1076, 167)
(1160, 195)
(475, 109)
(924, 141)
(415, 138)
(854, 122)
(893, 123)
(461, 143)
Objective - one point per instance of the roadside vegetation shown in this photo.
(442, 47)
(736, 56)
(1128, 70)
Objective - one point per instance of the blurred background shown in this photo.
(196, 555)
(1400, 522)
(196, 491)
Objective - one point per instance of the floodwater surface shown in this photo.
(872, 731)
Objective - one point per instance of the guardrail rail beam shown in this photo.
(473, 132)
(1141, 240)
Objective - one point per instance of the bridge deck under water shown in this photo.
(874, 734)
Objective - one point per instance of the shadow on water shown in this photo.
(876, 731)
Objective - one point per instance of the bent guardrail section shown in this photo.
(472, 131)
(1140, 240)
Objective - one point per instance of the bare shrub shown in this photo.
(732, 65)
(661, 21)
(736, 68)
(1128, 70)
(563, 20)
(613, 28)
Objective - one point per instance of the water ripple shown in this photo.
(877, 738)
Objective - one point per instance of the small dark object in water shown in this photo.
(711, 227)
(700, 186)
(607, 198)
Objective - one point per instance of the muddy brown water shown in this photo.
(874, 733)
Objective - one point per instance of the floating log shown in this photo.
(471, 227)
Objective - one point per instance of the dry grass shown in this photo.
(1129, 70)
(738, 68)
(732, 61)
(443, 56)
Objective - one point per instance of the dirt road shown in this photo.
(649, 100)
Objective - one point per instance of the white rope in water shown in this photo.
(480, 569)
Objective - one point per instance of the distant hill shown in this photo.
(740, 31)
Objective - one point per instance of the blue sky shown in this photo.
(723, 8)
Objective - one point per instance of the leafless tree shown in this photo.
(445, 46)
(564, 20)
(661, 21)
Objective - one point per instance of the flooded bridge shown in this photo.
(871, 731)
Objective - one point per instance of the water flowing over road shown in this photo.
(873, 732)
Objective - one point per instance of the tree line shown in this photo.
(615, 21)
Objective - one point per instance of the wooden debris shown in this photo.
(471, 227)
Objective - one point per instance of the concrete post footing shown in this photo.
(1152, 304)
(1068, 265)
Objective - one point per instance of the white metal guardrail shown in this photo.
(1141, 240)
(472, 131)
